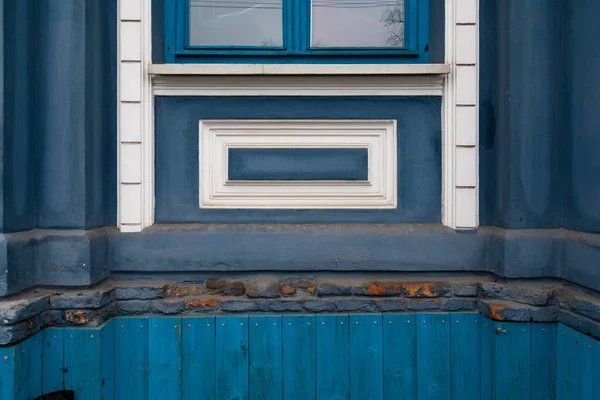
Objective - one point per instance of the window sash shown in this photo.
(297, 29)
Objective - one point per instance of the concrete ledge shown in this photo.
(500, 300)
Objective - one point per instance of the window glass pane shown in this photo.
(236, 23)
(357, 23)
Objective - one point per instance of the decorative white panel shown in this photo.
(377, 136)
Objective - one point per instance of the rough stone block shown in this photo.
(81, 299)
(580, 323)
(263, 288)
(461, 304)
(13, 311)
(225, 287)
(334, 288)
(544, 314)
(379, 289)
(130, 307)
(291, 286)
(465, 289)
(534, 295)
(423, 304)
(586, 305)
(281, 305)
(502, 310)
(202, 304)
(168, 306)
(390, 305)
(319, 306)
(427, 289)
(182, 290)
(239, 306)
(138, 292)
(354, 305)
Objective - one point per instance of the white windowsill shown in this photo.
(297, 69)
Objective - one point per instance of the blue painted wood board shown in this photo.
(198, 357)
(366, 357)
(164, 358)
(511, 361)
(486, 350)
(569, 363)
(131, 358)
(465, 355)
(433, 361)
(298, 164)
(232, 358)
(7, 372)
(28, 368)
(52, 360)
(591, 369)
(107, 363)
(399, 356)
(299, 365)
(82, 358)
(543, 361)
(333, 361)
(265, 378)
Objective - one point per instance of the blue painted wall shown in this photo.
(419, 154)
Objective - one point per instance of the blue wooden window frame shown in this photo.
(296, 40)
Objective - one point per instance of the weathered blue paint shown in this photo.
(198, 357)
(231, 355)
(333, 356)
(164, 358)
(543, 361)
(265, 375)
(298, 164)
(581, 139)
(108, 362)
(299, 357)
(419, 155)
(131, 362)
(53, 360)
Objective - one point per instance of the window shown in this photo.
(296, 31)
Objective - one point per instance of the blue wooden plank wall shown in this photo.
(328, 356)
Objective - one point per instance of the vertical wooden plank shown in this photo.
(543, 361)
(366, 363)
(52, 360)
(487, 361)
(131, 358)
(332, 352)
(433, 356)
(569, 363)
(107, 363)
(465, 357)
(7, 372)
(266, 373)
(34, 365)
(198, 357)
(591, 369)
(399, 356)
(164, 358)
(299, 365)
(82, 362)
(512, 358)
(231, 355)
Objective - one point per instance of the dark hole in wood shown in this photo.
(62, 395)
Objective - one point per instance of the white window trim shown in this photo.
(459, 90)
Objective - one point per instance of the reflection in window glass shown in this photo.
(357, 23)
(236, 23)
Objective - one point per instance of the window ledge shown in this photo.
(298, 69)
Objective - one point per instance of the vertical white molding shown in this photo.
(136, 116)
(460, 140)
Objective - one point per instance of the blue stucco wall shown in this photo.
(539, 164)
(176, 154)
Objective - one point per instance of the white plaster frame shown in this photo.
(459, 90)
(379, 191)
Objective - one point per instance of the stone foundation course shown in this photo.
(501, 300)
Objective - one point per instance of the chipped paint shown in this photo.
(494, 310)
